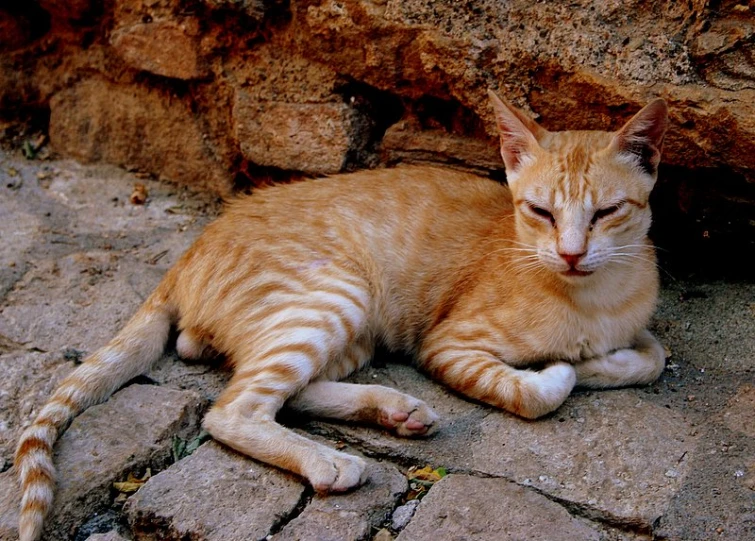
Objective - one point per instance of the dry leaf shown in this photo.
(132, 483)
(139, 195)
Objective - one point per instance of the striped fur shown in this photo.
(297, 283)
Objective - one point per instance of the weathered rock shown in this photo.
(73, 10)
(164, 47)
(465, 507)
(315, 138)
(738, 416)
(352, 515)
(403, 514)
(154, 133)
(132, 430)
(110, 536)
(717, 502)
(10, 500)
(402, 143)
(214, 494)
(594, 439)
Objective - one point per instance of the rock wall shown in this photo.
(218, 94)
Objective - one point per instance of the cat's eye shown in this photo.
(543, 213)
(605, 212)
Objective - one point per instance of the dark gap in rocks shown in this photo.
(33, 22)
(306, 497)
(248, 176)
(99, 523)
(704, 223)
(378, 110)
(449, 115)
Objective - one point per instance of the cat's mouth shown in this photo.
(575, 272)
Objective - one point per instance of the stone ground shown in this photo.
(674, 460)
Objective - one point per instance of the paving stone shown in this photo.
(110, 536)
(349, 516)
(132, 430)
(466, 507)
(311, 137)
(740, 413)
(10, 500)
(717, 502)
(214, 494)
(597, 439)
(208, 378)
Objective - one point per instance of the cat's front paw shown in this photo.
(334, 471)
(408, 417)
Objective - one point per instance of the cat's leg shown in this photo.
(375, 404)
(641, 364)
(190, 345)
(480, 375)
(289, 344)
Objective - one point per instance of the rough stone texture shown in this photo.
(717, 502)
(465, 507)
(302, 137)
(155, 133)
(739, 413)
(403, 514)
(594, 440)
(352, 515)
(215, 494)
(404, 143)
(169, 48)
(110, 536)
(132, 430)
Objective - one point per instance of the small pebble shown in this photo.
(403, 514)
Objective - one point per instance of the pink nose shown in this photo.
(572, 259)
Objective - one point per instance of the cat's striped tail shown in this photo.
(129, 354)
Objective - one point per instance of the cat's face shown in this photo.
(581, 198)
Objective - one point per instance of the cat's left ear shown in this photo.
(519, 134)
(641, 139)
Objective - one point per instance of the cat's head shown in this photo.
(581, 197)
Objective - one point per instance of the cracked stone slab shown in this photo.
(132, 430)
(343, 517)
(467, 507)
(718, 501)
(615, 455)
(214, 494)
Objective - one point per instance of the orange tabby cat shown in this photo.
(477, 280)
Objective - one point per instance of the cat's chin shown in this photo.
(576, 273)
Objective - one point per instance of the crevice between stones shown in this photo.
(636, 526)
(284, 520)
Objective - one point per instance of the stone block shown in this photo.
(139, 128)
(129, 432)
(466, 507)
(596, 439)
(167, 47)
(310, 137)
(215, 495)
(405, 143)
(343, 517)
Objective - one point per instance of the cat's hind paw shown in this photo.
(408, 417)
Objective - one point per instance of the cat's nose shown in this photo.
(572, 259)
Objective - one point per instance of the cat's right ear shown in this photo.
(519, 134)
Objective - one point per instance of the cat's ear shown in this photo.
(641, 139)
(519, 134)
